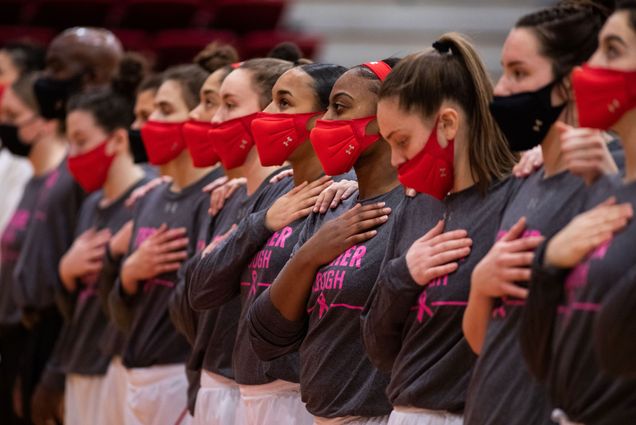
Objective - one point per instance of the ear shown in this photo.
(448, 124)
(561, 92)
(118, 142)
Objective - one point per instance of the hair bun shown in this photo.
(287, 51)
(132, 70)
(216, 55)
(443, 47)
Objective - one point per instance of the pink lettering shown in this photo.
(144, 233)
(278, 238)
(356, 261)
(261, 260)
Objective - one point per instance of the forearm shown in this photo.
(291, 289)
(476, 320)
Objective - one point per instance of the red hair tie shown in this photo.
(379, 68)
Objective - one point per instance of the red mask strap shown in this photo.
(380, 69)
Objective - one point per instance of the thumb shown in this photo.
(562, 127)
(515, 231)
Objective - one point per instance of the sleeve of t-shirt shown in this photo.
(388, 307)
(184, 318)
(272, 335)
(106, 280)
(540, 312)
(216, 278)
(615, 329)
(53, 377)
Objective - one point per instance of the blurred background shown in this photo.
(347, 32)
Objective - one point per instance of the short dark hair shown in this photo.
(325, 76)
(190, 77)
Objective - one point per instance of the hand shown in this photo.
(217, 241)
(341, 233)
(332, 196)
(295, 204)
(162, 252)
(84, 257)
(507, 262)
(280, 176)
(585, 152)
(47, 406)
(529, 162)
(119, 243)
(411, 193)
(586, 232)
(436, 253)
(141, 191)
(223, 192)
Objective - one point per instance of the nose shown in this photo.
(271, 108)
(195, 114)
(502, 88)
(156, 115)
(397, 158)
(218, 116)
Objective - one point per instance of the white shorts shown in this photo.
(115, 385)
(218, 401)
(157, 395)
(414, 416)
(352, 420)
(83, 399)
(276, 403)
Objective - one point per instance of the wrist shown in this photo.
(128, 279)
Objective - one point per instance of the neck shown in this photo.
(375, 174)
(254, 172)
(46, 154)
(123, 174)
(182, 171)
(305, 164)
(551, 150)
(463, 178)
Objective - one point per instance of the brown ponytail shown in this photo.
(453, 71)
(265, 72)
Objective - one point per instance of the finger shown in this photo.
(321, 202)
(170, 234)
(350, 190)
(337, 198)
(298, 188)
(411, 193)
(303, 213)
(94, 267)
(230, 191)
(439, 271)
(524, 244)
(168, 267)
(517, 259)
(363, 215)
(434, 232)
(360, 237)
(513, 290)
(516, 230)
(359, 209)
(363, 226)
(449, 256)
(321, 181)
(173, 245)
(314, 191)
(516, 274)
(451, 244)
(215, 184)
(447, 236)
(171, 257)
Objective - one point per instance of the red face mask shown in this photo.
(431, 170)
(163, 141)
(278, 135)
(2, 88)
(199, 144)
(233, 140)
(90, 169)
(339, 143)
(603, 95)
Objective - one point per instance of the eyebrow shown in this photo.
(163, 104)
(514, 63)
(614, 37)
(209, 91)
(284, 92)
(339, 94)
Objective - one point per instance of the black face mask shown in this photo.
(52, 95)
(525, 118)
(136, 145)
(10, 140)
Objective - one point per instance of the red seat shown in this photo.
(180, 46)
(258, 44)
(136, 40)
(69, 13)
(248, 15)
(25, 33)
(160, 14)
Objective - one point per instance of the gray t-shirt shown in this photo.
(415, 332)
